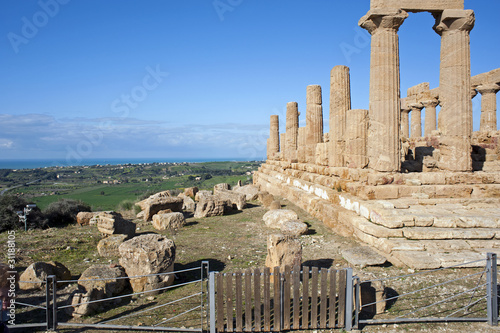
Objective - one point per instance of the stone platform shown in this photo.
(421, 220)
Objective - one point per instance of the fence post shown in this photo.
(204, 268)
(211, 298)
(54, 302)
(47, 301)
(348, 299)
(357, 301)
(492, 294)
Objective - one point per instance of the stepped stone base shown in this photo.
(421, 220)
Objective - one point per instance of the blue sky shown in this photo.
(191, 78)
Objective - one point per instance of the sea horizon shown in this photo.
(46, 163)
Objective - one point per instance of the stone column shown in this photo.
(340, 103)
(416, 120)
(292, 130)
(385, 112)
(314, 121)
(273, 144)
(430, 116)
(301, 145)
(455, 117)
(282, 146)
(488, 106)
(405, 123)
(356, 139)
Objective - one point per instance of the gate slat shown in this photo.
(333, 298)
(220, 303)
(341, 304)
(296, 297)
(286, 298)
(267, 299)
(305, 298)
(322, 304)
(239, 302)
(257, 310)
(248, 300)
(314, 298)
(277, 300)
(229, 303)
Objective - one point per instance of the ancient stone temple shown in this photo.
(423, 192)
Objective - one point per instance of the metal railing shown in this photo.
(480, 295)
(53, 304)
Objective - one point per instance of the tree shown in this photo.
(64, 211)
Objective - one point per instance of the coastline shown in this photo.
(50, 163)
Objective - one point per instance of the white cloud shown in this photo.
(43, 135)
(6, 144)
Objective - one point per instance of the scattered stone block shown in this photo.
(237, 200)
(222, 186)
(148, 254)
(275, 205)
(111, 223)
(200, 194)
(191, 191)
(250, 191)
(283, 251)
(293, 228)
(38, 272)
(83, 218)
(210, 206)
(170, 221)
(108, 247)
(275, 218)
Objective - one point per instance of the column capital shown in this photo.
(488, 88)
(454, 19)
(416, 106)
(385, 19)
(430, 103)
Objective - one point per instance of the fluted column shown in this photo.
(273, 144)
(301, 145)
(488, 106)
(416, 120)
(340, 103)
(356, 139)
(405, 123)
(430, 116)
(292, 129)
(314, 121)
(455, 117)
(384, 112)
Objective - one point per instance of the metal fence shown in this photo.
(194, 304)
(469, 298)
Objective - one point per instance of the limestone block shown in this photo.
(386, 192)
(191, 191)
(448, 233)
(108, 247)
(154, 206)
(148, 254)
(201, 194)
(451, 245)
(210, 206)
(38, 272)
(221, 186)
(374, 229)
(238, 200)
(275, 218)
(363, 256)
(170, 221)
(451, 259)
(112, 223)
(417, 259)
(283, 251)
(83, 218)
(103, 277)
(293, 228)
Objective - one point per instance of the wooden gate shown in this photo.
(255, 300)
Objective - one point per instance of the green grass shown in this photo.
(115, 194)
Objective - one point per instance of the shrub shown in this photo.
(9, 220)
(126, 205)
(64, 211)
